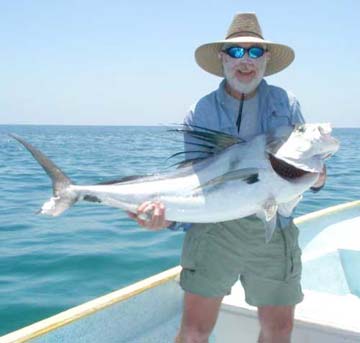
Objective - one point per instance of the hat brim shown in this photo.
(207, 55)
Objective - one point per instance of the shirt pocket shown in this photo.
(278, 118)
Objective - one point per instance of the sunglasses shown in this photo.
(239, 51)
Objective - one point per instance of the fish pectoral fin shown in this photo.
(270, 208)
(248, 175)
(269, 217)
(270, 228)
(286, 209)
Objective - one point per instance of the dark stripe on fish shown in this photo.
(91, 198)
(247, 175)
(252, 179)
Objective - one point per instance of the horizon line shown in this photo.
(129, 125)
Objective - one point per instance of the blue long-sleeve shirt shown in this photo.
(219, 110)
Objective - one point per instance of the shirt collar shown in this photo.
(224, 97)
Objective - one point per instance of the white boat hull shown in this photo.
(150, 310)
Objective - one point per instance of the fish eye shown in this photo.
(300, 129)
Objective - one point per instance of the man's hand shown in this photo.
(157, 220)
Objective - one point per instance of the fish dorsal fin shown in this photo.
(187, 163)
(215, 139)
(207, 141)
(186, 152)
(248, 175)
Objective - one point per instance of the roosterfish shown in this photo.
(232, 179)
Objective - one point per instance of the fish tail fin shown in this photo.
(63, 197)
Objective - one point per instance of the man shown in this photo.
(215, 255)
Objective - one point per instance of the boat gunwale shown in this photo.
(329, 210)
(83, 310)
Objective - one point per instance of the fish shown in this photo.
(227, 179)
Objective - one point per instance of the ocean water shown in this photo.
(48, 264)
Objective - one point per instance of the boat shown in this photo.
(150, 310)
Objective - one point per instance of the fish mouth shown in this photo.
(286, 170)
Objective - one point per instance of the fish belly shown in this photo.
(229, 202)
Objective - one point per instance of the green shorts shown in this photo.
(216, 255)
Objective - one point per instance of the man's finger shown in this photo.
(143, 206)
(131, 215)
(157, 218)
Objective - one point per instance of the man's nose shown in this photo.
(247, 60)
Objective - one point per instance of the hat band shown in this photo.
(246, 32)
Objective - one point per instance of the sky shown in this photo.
(132, 62)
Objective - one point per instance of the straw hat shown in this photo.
(244, 28)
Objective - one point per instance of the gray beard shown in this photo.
(242, 87)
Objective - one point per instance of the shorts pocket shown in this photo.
(292, 252)
(191, 251)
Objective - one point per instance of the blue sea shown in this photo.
(48, 264)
